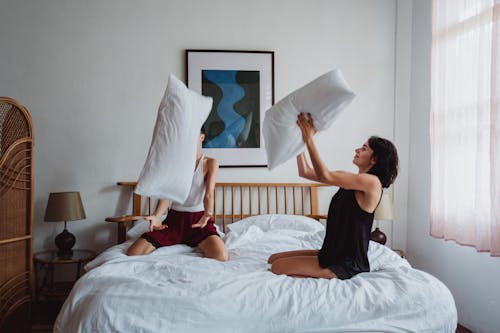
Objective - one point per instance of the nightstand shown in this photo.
(44, 265)
(401, 253)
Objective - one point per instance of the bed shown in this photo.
(175, 289)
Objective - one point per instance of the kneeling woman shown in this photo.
(351, 211)
(188, 223)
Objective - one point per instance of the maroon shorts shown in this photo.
(179, 230)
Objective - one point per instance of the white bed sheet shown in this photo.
(175, 289)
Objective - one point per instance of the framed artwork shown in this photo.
(241, 84)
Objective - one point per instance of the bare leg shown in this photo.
(213, 247)
(287, 254)
(140, 247)
(302, 266)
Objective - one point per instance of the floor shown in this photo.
(44, 315)
(461, 329)
(48, 329)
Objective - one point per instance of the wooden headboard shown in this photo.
(235, 201)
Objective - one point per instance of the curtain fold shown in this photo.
(495, 132)
(465, 129)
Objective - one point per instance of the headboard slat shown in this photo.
(258, 190)
(302, 197)
(276, 194)
(241, 202)
(294, 205)
(284, 192)
(232, 204)
(250, 198)
(223, 207)
(268, 203)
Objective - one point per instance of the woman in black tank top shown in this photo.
(351, 211)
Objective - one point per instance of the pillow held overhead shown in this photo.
(168, 170)
(324, 98)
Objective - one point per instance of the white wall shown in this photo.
(92, 74)
(472, 277)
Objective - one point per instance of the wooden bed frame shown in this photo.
(235, 201)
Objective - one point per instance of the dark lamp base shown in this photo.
(65, 254)
(378, 236)
(64, 242)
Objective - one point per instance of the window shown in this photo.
(465, 123)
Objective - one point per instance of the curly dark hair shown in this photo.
(387, 161)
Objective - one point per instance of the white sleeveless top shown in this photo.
(194, 201)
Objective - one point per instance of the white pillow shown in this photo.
(276, 222)
(138, 229)
(323, 98)
(168, 170)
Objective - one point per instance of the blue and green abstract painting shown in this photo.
(234, 121)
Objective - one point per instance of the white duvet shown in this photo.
(175, 289)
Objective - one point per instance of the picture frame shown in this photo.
(241, 84)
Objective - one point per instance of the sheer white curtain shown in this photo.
(465, 123)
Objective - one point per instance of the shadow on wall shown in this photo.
(102, 235)
(50, 230)
(124, 202)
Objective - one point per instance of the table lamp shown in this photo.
(384, 212)
(64, 206)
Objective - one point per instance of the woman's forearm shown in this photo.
(320, 169)
(304, 169)
(208, 203)
(161, 207)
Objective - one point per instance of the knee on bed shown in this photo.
(140, 247)
(132, 252)
(219, 255)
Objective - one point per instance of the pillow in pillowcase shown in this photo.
(140, 227)
(169, 166)
(269, 222)
(324, 98)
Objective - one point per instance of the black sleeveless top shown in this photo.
(348, 231)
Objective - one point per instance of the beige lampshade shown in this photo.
(385, 209)
(64, 206)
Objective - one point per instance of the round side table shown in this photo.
(44, 265)
(400, 252)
